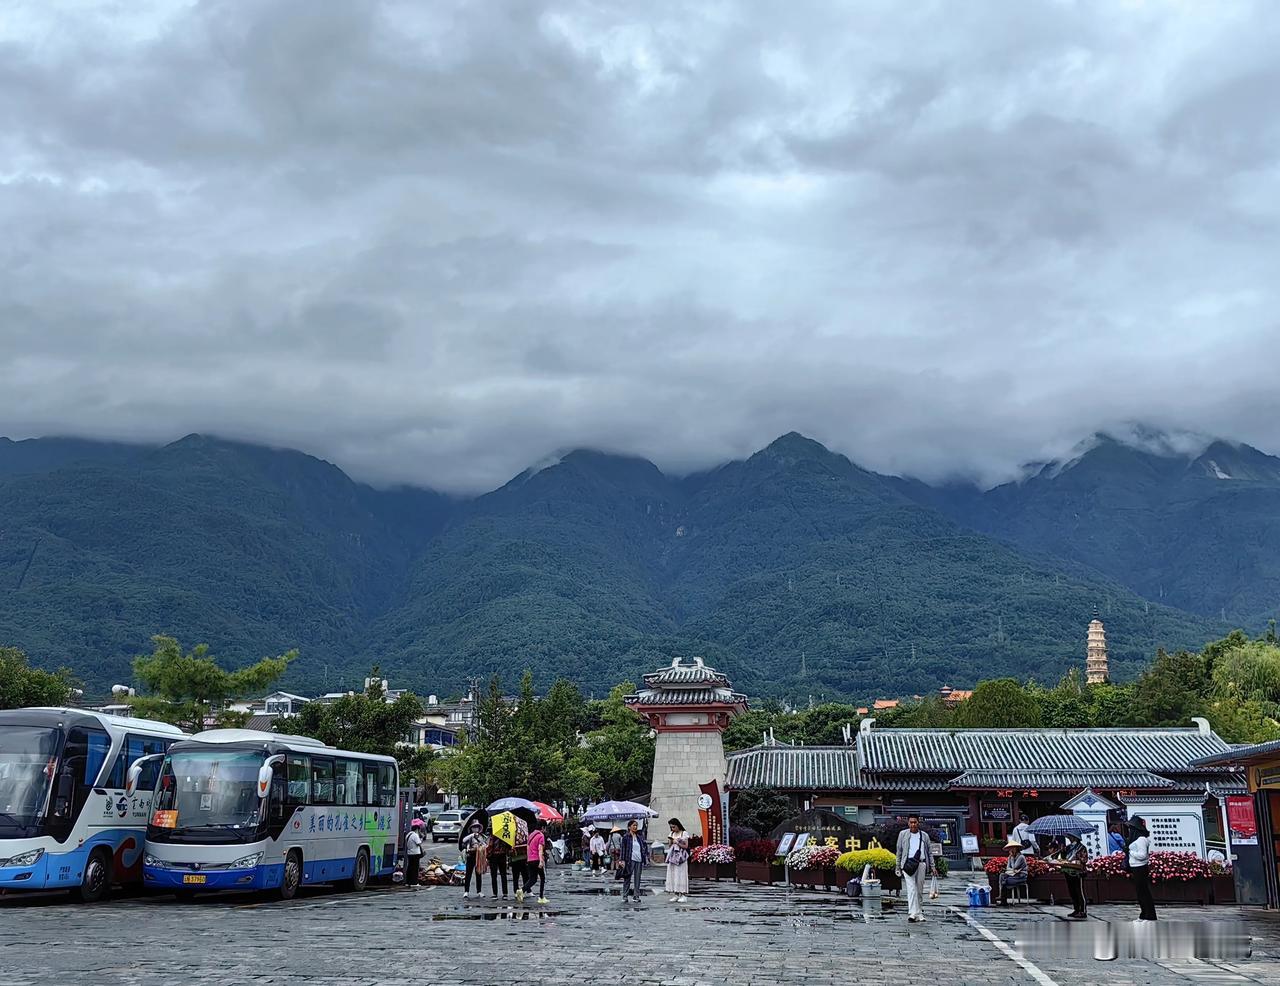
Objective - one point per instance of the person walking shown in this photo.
(587, 833)
(1139, 859)
(536, 863)
(677, 862)
(1072, 860)
(631, 853)
(474, 845)
(499, 853)
(597, 853)
(413, 854)
(1015, 870)
(915, 863)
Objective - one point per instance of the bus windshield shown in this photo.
(28, 761)
(204, 790)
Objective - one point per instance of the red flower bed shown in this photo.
(1165, 866)
(755, 850)
(1035, 867)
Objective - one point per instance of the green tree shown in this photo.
(363, 722)
(760, 808)
(618, 754)
(188, 688)
(1172, 690)
(22, 686)
(998, 704)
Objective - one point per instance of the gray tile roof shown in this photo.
(686, 696)
(942, 751)
(1238, 754)
(807, 768)
(1060, 780)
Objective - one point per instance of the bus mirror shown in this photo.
(264, 780)
(131, 781)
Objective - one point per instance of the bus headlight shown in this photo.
(149, 860)
(244, 862)
(23, 859)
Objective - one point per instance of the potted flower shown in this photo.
(1176, 877)
(1222, 883)
(713, 862)
(883, 861)
(756, 860)
(813, 865)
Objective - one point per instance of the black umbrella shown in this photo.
(479, 815)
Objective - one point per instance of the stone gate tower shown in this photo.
(688, 705)
(1095, 661)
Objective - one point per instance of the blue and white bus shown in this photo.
(66, 821)
(239, 809)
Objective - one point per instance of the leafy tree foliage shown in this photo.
(619, 752)
(760, 808)
(22, 686)
(999, 704)
(363, 722)
(187, 688)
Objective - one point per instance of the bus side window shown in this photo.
(346, 782)
(299, 780)
(322, 782)
(386, 785)
(370, 793)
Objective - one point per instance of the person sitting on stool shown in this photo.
(1015, 870)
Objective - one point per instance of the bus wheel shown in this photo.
(360, 875)
(292, 877)
(97, 877)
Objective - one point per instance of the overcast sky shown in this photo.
(437, 242)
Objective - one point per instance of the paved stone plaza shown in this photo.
(727, 933)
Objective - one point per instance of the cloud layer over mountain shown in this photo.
(439, 242)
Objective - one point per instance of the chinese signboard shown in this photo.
(1240, 819)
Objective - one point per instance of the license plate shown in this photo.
(194, 878)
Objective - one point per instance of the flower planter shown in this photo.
(1047, 888)
(702, 871)
(759, 872)
(826, 877)
(1182, 892)
(1223, 889)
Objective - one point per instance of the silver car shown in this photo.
(448, 826)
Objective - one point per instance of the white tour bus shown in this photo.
(239, 809)
(66, 820)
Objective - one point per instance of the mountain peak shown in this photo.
(795, 445)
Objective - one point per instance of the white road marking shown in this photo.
(1027, 966)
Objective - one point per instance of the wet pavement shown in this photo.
(726, 933)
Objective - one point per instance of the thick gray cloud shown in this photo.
(438, 242)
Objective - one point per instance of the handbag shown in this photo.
(913, 863)
(678, 856)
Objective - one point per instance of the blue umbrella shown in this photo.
(617, 811)
(1060, 825)
(512, 804)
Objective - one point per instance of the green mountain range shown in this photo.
(795, 571)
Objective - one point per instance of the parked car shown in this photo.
(448, 826)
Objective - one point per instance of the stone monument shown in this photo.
(688, 705)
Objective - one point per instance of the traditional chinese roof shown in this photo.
(946, 751)
(807, 768)
(1241, 755)
(686, 683)
(1059, 780)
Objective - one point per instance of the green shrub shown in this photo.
(880, 859)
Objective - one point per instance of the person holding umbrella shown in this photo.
(1072, 859)
(474, 845)
(536, 863)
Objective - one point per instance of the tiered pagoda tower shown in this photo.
(1095, 662)
(688, 705)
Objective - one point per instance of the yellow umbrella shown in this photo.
(503, 826)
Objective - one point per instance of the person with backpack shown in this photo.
(914, 865)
